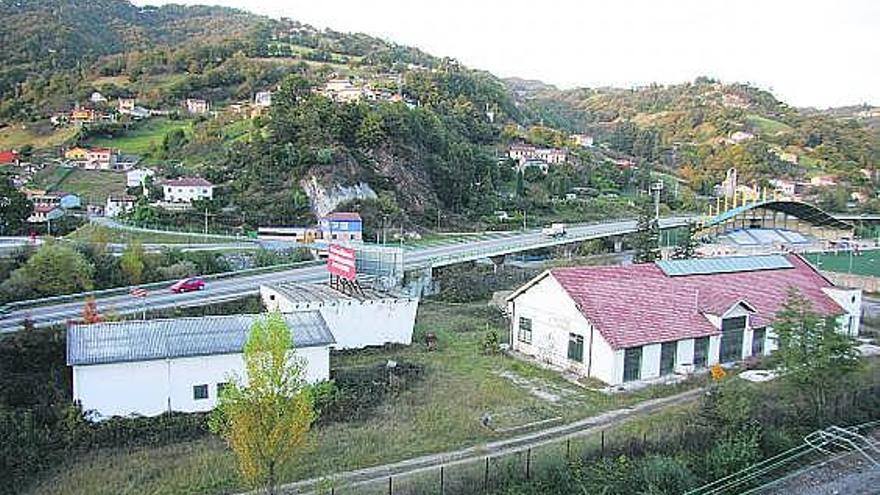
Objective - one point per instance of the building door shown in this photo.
(632, 364)
(667, 358)
(732, 339)
(758, 341)
(701, 352)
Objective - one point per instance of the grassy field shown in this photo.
(143, 138)
(91, 232)
(867, 263)
(93, 186)
(767, 126)
(14, 137)
(440, 412)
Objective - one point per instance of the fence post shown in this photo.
(390, 485)
(603, 443)
(529, 464)
(486, 476)
(442, 488)
(568, 449)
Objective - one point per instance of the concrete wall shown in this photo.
(152, 387)
(356, 324)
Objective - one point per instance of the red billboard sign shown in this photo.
(341, 261)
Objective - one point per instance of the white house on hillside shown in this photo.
(186, 190)
(136, 177)
(152, 366)
(637, 322)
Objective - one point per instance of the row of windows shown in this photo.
(200, 392)
(731, 350)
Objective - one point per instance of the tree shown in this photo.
(132, 262)
(646, 240)
(53, 270)
(264, 417)
(687, 245)
(14, 208)
(813, 355)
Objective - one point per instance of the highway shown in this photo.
(235, 287)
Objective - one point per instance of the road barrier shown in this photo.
(31, 303)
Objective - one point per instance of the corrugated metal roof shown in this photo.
(144, 340)
(298, 292)
(729, 264)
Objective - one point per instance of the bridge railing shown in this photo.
(517, 246)
(32, 303)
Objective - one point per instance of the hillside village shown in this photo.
(245, 253)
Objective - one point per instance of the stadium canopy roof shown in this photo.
(806, 212)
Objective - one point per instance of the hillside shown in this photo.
(424, 143)
(688, 128)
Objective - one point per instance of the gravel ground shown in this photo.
(851, 474)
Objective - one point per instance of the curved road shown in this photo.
(238, 286)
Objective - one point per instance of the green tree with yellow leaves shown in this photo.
(265, 415)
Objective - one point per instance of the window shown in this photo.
(758, 341)
(576, 347)
(525, 330)
(667, 358)
(732, 338)
(701, 352)
(632, 364)
(200, 392)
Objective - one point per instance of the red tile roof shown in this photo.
(188, 182)
(638, 304)
(8, 156)
(346, 216)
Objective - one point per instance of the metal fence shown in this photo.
(493, 473)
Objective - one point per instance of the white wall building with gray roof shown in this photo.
(373, 318)
(153, 366)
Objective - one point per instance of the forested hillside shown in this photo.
(688, 128)
(427, 147)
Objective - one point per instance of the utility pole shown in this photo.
(206, 221)
(656, 188)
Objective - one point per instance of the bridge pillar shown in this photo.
(497, 262)
(618, 244)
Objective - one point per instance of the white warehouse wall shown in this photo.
(152, 387)
(356, 324)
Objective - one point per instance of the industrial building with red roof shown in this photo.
(637, 322)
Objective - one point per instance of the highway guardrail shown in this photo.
(30, 303)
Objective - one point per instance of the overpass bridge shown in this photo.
(57, 310)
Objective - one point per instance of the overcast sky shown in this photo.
(809, 53)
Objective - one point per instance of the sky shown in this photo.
(809, 53)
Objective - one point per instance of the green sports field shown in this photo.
(866, 263)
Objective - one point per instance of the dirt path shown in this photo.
(581, 427)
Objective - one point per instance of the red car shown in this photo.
(188, 285)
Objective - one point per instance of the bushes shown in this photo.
(469, 282)
(355, 393)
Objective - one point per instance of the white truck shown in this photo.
(554, 230)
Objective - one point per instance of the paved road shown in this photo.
(234, 287)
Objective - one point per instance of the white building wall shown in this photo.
(150, 388)
(187, 194)
(554, 316)
(356, 324)
(851, 302)
(684, 355)
(650, 361)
